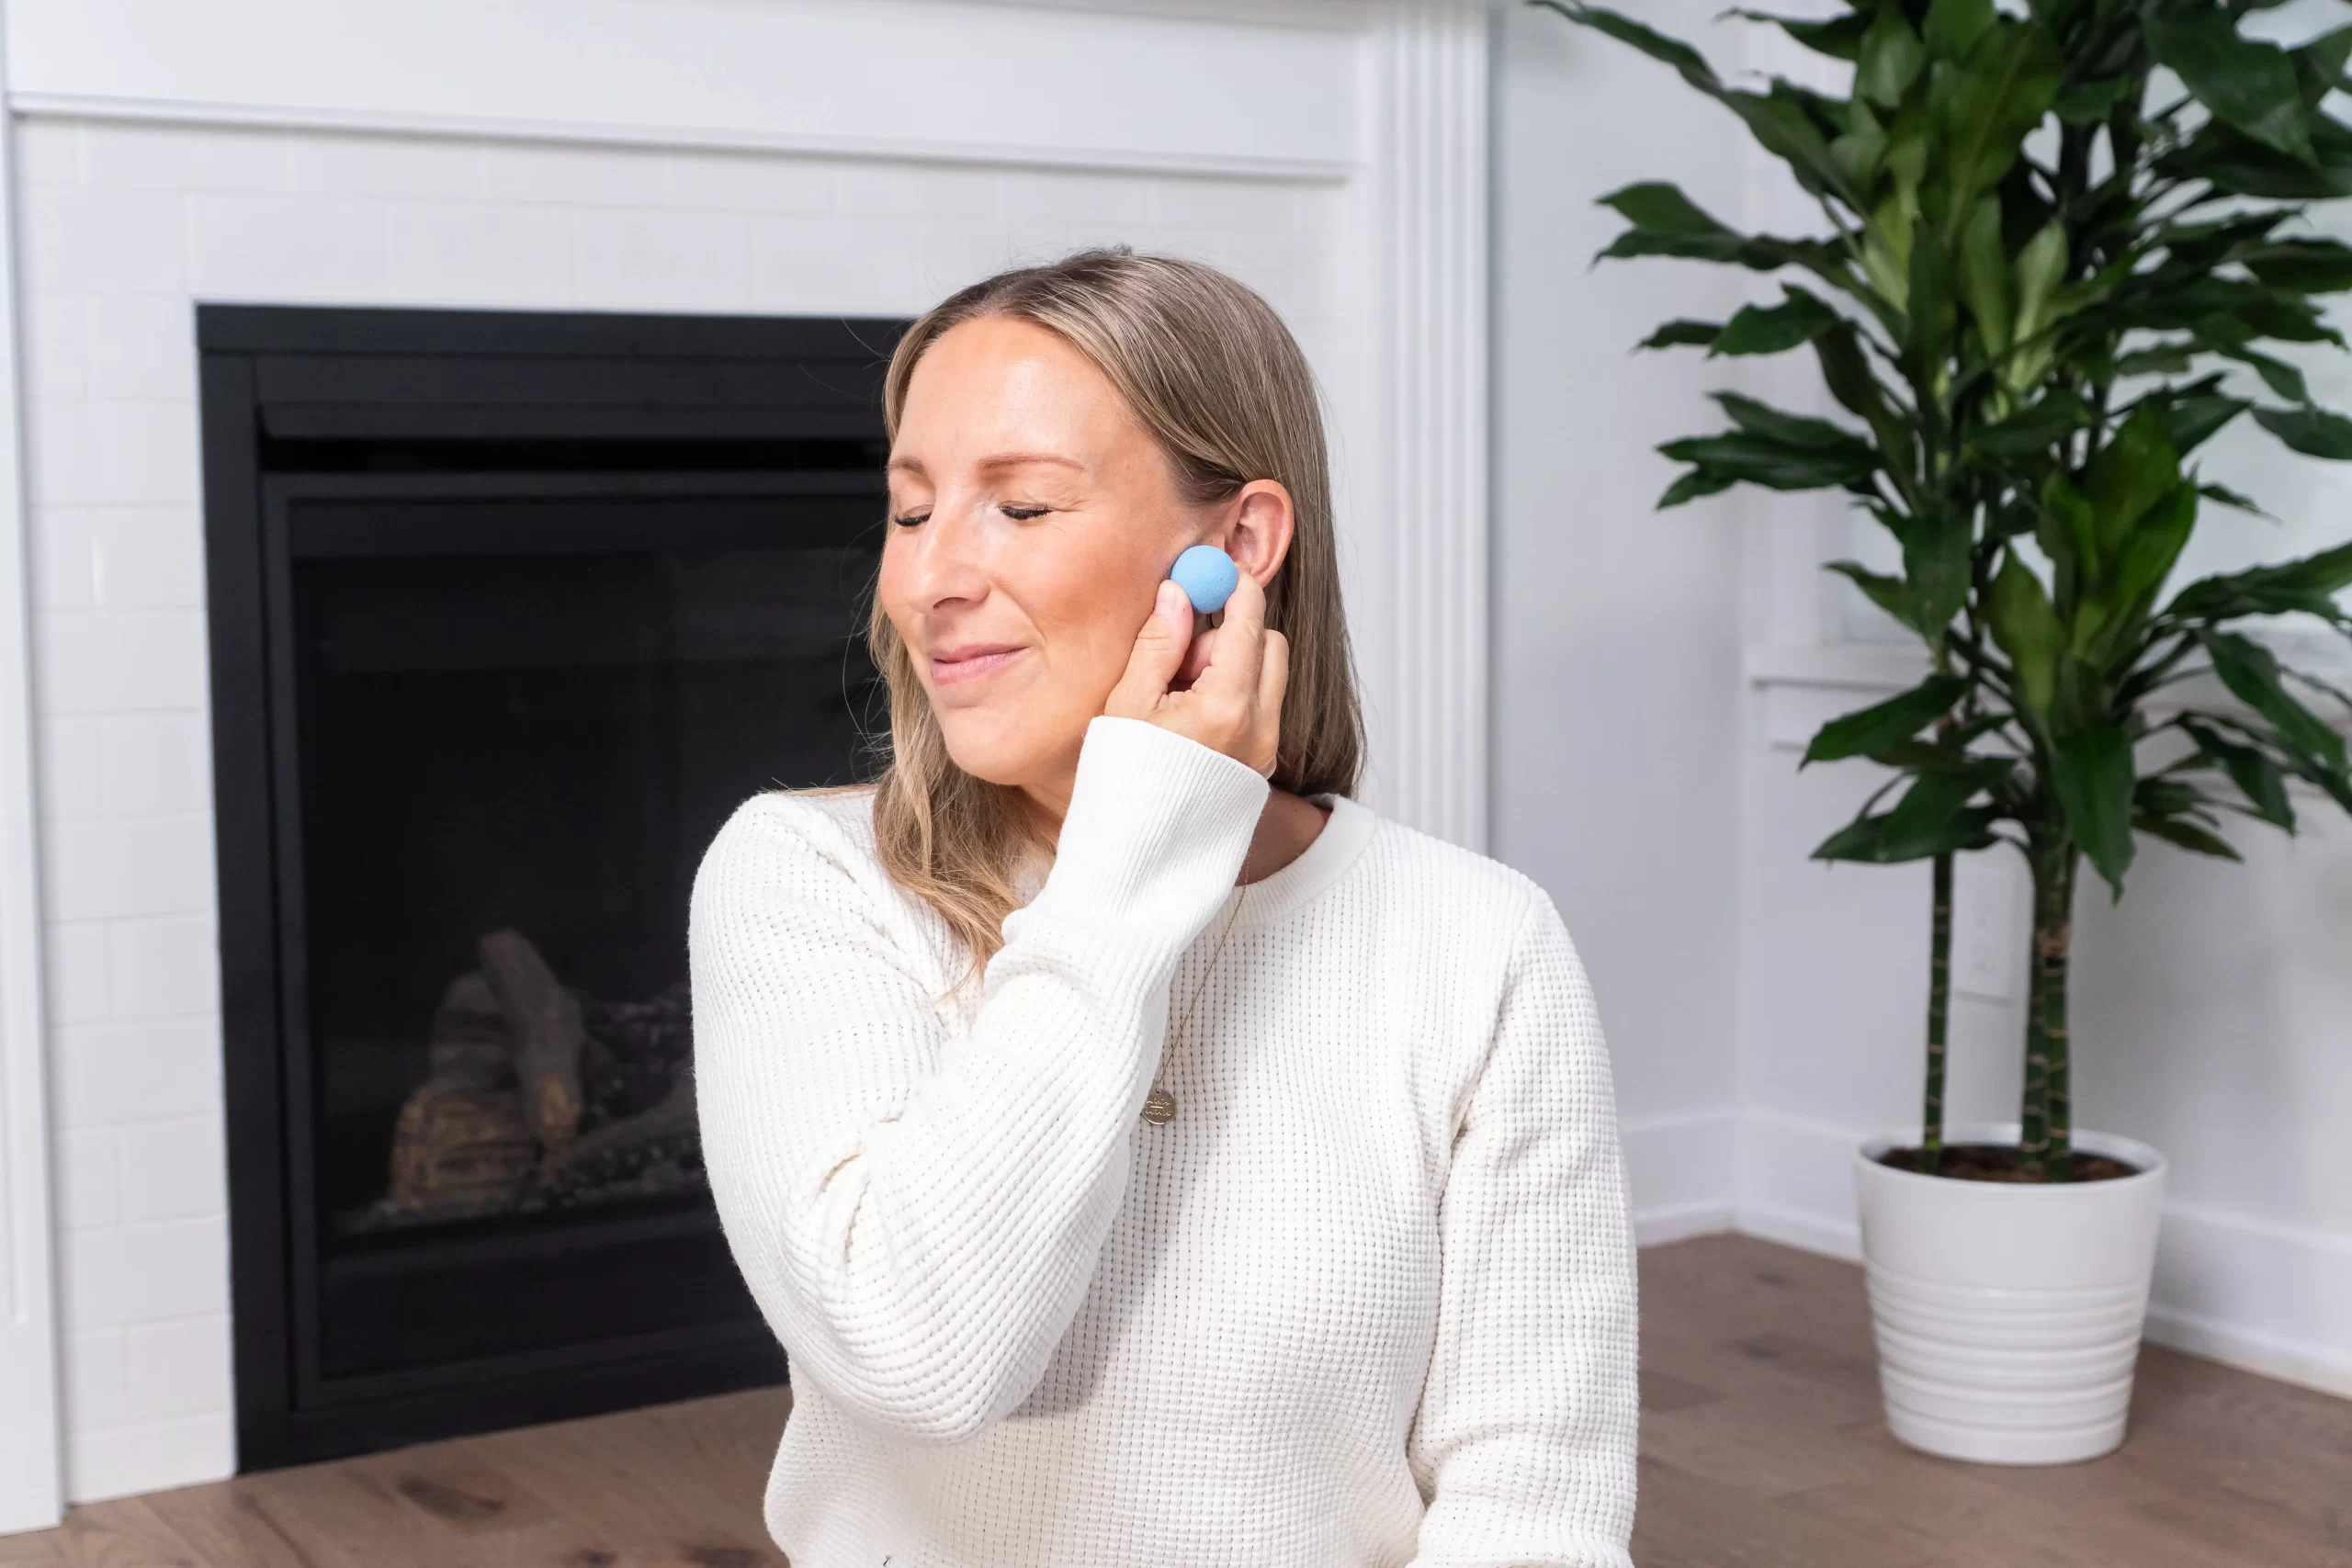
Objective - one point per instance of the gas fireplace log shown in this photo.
(460, 1151)
(671, 1131)
(548, 1038)
(473, 1045)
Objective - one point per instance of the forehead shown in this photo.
(998, 385)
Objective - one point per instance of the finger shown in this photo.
(1240, 649)
(1273, 680)
(1196, 659)
(1159, 648)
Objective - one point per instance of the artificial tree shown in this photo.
(2059, 236)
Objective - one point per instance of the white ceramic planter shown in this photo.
(2007, 1314)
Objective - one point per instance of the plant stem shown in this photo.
(2045, 1135)
(1932, 1122)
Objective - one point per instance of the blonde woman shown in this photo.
(1147, 1154)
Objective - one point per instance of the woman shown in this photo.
(1145, 1154)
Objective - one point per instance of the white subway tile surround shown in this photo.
(124, 227)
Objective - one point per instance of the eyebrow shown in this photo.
(998, 460)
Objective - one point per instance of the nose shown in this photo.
(944, 568)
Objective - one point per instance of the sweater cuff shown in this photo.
(1156, 829)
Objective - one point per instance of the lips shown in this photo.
(950, 665)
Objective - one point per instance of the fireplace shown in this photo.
(508, 611)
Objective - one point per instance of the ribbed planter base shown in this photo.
(2007, 1314)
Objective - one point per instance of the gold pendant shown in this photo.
(1160, 1106)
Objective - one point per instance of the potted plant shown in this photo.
(2061, 239)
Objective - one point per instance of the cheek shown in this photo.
(1086, 594)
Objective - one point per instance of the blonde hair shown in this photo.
(1217, 378)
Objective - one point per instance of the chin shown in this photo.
(1010, 753)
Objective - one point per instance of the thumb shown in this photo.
(1159, 649)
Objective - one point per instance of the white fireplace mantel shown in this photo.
(1379, 108)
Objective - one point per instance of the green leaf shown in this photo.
(2277, 374)
(2246, 84)
(1886, 592)
(1691, 486)
(2306, 267)
(1775, 329)
(1783, 129)
(2251, 672)
(2319, 65)
(1936, 559)
(1932, 818)
(1897, 718)
(2315, 433)
(2149, 552)
(1778, 465)
(2093, 101)
(1986, 105)
(1847, 372)
(1680, 334)
(2308, 586)
(1797, 430)
(1661, 208)
(1656, 45)
(1891, 60)
(2091, 772)
(2041, 265)
(2226, 496)
(2187, 835)
(2131, 473)
(1954, 26)
(1984, 275)
(1840, 37)
(2026, 627)
(2067, 531)
(2259, 779)
(2195, 421)
(2036, 428)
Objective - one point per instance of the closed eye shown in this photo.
(1024, 514)
(911, 519)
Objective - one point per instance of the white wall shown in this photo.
(1616, 630)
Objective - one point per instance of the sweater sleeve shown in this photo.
(1524, 1442)
(918, 1212)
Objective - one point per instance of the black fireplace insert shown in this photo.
(508, 611)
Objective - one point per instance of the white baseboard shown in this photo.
(2271, 1299)
(1680, 1170)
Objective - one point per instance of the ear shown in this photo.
(1256, 528)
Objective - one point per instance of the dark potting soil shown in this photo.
(1998, 1162)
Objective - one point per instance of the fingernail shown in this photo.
(1171, 593)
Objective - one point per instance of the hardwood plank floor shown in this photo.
(1762, 1447)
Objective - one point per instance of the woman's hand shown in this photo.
(1235, 704)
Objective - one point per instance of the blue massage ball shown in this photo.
(1208, 576)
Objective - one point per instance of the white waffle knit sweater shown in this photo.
(1368, 1299)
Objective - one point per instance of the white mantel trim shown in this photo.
(1433, 230)
(31, 1473)
(707, 138)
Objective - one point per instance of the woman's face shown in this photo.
(1034, 517)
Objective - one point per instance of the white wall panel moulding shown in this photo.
(31, 1481)
(948, 79)
(1431, 156)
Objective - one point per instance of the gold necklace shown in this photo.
(1159, 1106)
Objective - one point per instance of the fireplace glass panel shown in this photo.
(520, 720)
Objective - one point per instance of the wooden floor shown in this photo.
(1761, 1448)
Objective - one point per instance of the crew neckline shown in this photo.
(1317, 866)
